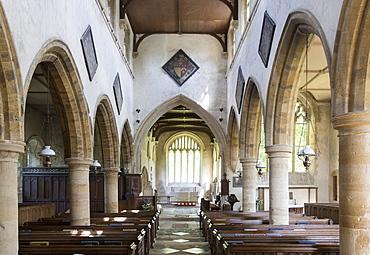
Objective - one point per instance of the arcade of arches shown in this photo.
(180, 100)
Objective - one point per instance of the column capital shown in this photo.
(12, 146)
(79, 161)
(246, 161)
(279, 150)
(352, 123)
(111, 170)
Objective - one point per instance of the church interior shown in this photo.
(252, 112)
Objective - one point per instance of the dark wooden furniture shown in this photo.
(50, 185)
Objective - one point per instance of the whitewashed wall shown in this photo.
(153, 86)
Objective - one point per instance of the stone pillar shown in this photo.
(79, 191)
(279, 155)
(249, 184)
(354, 182)
(9, 152)
(111, 189)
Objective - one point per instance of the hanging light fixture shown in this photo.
(47, 152)
(260, 166)
(96, 166)
(306, 152)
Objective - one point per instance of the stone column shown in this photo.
(249, 184)
(111, 189)
(79, 191)
(354, 182)
(279, 183)
(9, 152)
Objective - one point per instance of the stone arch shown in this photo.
(352, 63)
(250, 121)
(68, 97)
(108, 130)
(152, 117)
(233, 141)
(11, 89)
(283, 89)
(127, 151)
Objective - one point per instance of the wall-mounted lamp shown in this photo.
(221, 119)
(138, 115)
(96, 166)
(260, 166)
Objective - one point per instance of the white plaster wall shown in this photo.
(153, 86)
(43, 21)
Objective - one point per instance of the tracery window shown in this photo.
(184, 160)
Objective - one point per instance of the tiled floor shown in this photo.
(179, 232)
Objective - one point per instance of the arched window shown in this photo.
(184, 160)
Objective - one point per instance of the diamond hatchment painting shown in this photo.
(180, 67)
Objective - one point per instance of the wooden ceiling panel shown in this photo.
(178, 16)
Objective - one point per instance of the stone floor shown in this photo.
(179, 232)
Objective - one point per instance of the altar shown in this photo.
(184, 196)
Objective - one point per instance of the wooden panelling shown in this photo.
(50, 185)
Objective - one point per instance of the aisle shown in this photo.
(179, 232)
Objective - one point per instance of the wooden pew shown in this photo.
(135, 236)
(247, 233)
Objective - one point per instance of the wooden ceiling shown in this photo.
(181, 119)
(148, 17)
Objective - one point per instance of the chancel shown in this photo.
(214, 126)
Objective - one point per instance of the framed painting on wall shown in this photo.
(88, 49)
(118, 93)
(267, 34)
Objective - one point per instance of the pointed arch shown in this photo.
(233, 140)
(68, 97)
(108, 130)
(11, 89)
(352, 63)
(127, 151)
(283, 89)
(250, 121)
(151, 118)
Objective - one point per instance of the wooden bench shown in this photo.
(247, 233)
(126, 233)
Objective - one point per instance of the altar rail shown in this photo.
(323, 210)
(34, 211)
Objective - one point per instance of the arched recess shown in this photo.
(233, 141)
(68, 97)
(127, 151)
(153, 116)
(250, 121)
(283, 89)
(11, 89)
(108, 132)
(352, 63)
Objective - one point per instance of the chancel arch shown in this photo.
(147, 123)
